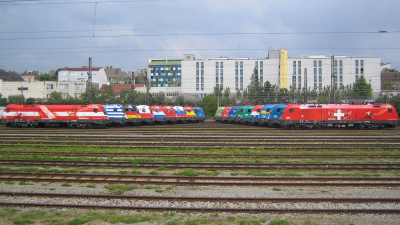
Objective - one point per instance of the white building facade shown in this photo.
(99, 76)
(198, 77)
(42, 89)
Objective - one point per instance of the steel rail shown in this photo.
(202, 138)
(204, 199)
(198, 155)
(186, 209)
(199, 181)
(182, 165)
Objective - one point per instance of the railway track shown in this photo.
(204, 210)
(203, 199)
(393, 182)
(220, 166)
(199, 155)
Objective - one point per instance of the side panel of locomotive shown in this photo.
(116, 114)
(359, 116)
(55, 115)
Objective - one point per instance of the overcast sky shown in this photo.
(51, 34)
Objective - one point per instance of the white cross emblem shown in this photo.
(338, 114)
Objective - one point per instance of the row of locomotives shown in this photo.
(116, 115)
(76, 116)
(335, 116)
(261, 115)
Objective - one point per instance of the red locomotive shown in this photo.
(92, 115)
(357, 116)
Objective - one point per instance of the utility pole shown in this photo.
(133, 88)
(305, 85)
(89, 85)
(22, 88)
(332, 97)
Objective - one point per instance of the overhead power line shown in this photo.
(198, 34)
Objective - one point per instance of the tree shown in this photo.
(3, 101)
(269, 92)
(55, 97)
(15, 99)
(30, 101)
(227, 92)
(361, 88)
(209, 105)
(47, 77)
(254, 89)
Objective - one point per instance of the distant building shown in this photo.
(43, 89)
(117, 88)
(116, 76)
(99, 76)
(10, 76)
(30, 76)
(196, 78)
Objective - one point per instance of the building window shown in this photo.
(202, 79)
(202, 65)
(236, 72)
(294, 64)
(236, 65)
(216, 80)
(361, 62)
(77, 95)
(241, 64)
(315, 63)
(222, 65)
(221, 72)
(320, 71)
(79, 86)
(319, 63)
(237, 79)
(197, 65)
(202, 87)
(50, 86)
(315, 71)
(216, 72)
(197, 87)
(293, 81)
(197, 79)
(261, 64)
(64, 95)
(257, 64)
(356, 63)
(294, 71)
(356, 70)
(63, 86)
(241, 72)
(222, 80)
(299, 71)
(216, 64)
(261, 72)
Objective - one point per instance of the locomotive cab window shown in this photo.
(115, 110)
(291, 110)
(390, 110)
(95, 110)
(8, 110)
(258, 110)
